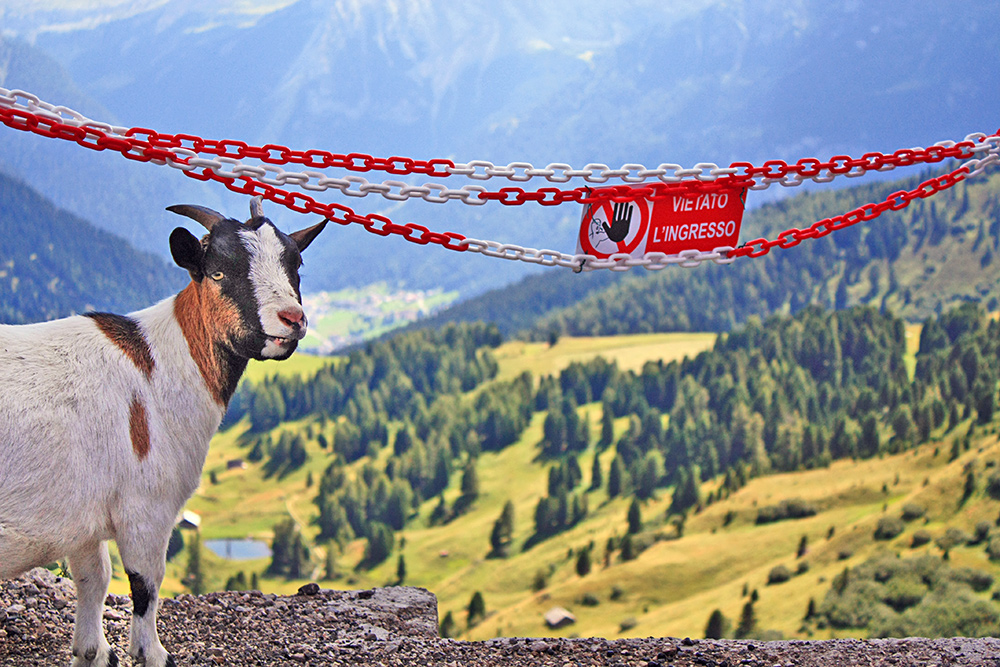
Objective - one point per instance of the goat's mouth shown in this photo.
(280, 341)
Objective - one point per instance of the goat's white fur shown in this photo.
(70, 475)
(270, 283)
(69, 478)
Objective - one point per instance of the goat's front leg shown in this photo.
(91, 570)
(143, 551)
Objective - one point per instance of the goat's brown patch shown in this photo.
(125, 333)
(138, 428)
(208, 319)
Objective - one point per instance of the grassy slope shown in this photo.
(673, 586)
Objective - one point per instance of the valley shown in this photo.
(674, 583)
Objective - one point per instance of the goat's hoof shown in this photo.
(95, 657)
(159, 659)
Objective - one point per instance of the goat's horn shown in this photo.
(204, 216)
(256, 207)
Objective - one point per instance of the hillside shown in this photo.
(861, 424)
(53, 263)
(573, 81)
(921, 261)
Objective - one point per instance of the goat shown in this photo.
(105, 419)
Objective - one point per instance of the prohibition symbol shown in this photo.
(614, 227)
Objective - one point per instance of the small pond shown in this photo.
(244, 549)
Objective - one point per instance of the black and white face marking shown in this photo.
(274, 262)
(248, 279)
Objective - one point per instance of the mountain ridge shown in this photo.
(54, 264)
(918, 262)
(572, 82)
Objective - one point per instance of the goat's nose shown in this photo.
(294, 318)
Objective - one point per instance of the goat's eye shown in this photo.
(218, 275)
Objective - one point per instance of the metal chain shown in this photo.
(232, 152)
(25, 111)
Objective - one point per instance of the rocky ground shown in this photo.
(398, 626)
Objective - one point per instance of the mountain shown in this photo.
(917, 262)
(576, 82)
(53, 263)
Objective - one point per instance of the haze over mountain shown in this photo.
(560, 81)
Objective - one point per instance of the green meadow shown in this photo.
(676, 581)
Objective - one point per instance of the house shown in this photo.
(189, 521)
(557, 617)
(236, 464)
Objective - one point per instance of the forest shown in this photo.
(782, 394)
(53, 264)
(918, 262)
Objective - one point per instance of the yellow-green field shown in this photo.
(672, 587)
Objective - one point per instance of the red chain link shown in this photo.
(144, 145)
(894, 202)
(842, 164)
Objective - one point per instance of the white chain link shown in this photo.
(987, 146)
(653, 261)
(480, 170)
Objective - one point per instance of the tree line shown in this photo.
(781, 394)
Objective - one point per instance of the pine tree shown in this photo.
(596, 474)
(687, 493)
(717, 626)
(748, 622)
(628, 549)
(195, 578)
(470, 482)
(282, 547)
(969, 488)
(331, 564)
(583, 564)
(634, 517)
(803, 547)
(448, 626)
(380, 543)
(400, 570)
(503, 532)
(617, 477)
(476, 611)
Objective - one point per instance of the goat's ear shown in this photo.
(304, 237)
(187, 252)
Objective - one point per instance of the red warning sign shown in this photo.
(683, 221)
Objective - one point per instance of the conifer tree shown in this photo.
(331, 564)
(634, 517)
(596, 474)
(717, 626)
(748, 622)
(448, 626)
(476, 611)
(583, 563)
(400, 570)
(617, 477)
(607, 426)
(503, 532)
(195, 578)
(628, 549)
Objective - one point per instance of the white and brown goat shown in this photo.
(105, 419)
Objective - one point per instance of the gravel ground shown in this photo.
(398, 626)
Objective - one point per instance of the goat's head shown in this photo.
(249, 272)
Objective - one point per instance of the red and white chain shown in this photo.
(24, 111)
